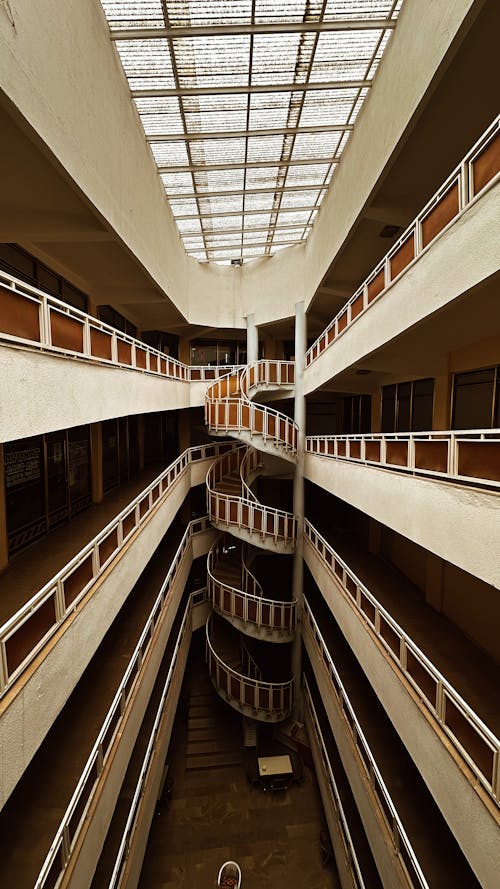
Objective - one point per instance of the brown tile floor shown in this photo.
(214, 816)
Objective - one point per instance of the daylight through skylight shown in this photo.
(247, 106)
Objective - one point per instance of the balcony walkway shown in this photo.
(437, 851)
(34, 566)
(31, 816)
(472, 672)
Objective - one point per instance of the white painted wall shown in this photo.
(469, 812)
(460, 524)
(65, 78)
(41, 392)
(461, 257)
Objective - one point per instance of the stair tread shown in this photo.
(214, 759)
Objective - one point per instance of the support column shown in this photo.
(4, 545)
(252, 340)
(298, 501)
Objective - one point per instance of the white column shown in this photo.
(298, 500)
(252, 340)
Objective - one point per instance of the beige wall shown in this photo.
(474, 606)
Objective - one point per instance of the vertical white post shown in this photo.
(252, 340)
(298, 501)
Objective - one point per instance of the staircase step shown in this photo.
(214, 760)
(201, 722)
(199, 748)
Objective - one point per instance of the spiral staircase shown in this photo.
(244, 611)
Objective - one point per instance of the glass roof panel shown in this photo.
(230, 118)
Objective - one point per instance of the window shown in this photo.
(407, 407)
(21, 264)
(475, 399)
(110, 316)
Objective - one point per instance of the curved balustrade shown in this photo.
(467, 732)
(245, 606)
(479, 168)
(229, 411)
(402, 847)
(264, 701)
(94, 772)
(240, 511)
(267, 374)
(471, 455)
(30, 317)
(27, 631)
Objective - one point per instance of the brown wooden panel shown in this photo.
(19, 316)
(350, 586)
(266, 615)
(372, 451)
(282, 432)
(124, 352)
(270, 523)
(273, 373)
(258, 421)
(153, 363)
(331, 335)
(140, 357)
(368, 608)
(281, 526)
(419, 674)
(143, 506)
(252, 611)
(238, 606)
(128, 523)
(100, 344)
(431, 455)
(271, 425)
(479, 459)
(486, 164)
(155, 493)
(249, 691)
(389, 635)
(233, 511)
(29, 634)
(66, 332)
(397, 453)
(330, 447)
(469, 739)
(440, 215)
(402, 257)
(341, 448)
(244, 516)
(233, 413)
(195, 374)
(108, 546)
(376, 285)
(355, 449)
(342, 322)
(77, 580)
(257, 519)
(245, 416)
(277, 616)
(357, 306)
(264, 698)
(163, 366)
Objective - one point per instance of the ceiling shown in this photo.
(247, 106)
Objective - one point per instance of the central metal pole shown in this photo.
(298, 502)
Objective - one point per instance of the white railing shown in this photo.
(466, 731)
(226, 510)
(462, 187)
(458, 455)
(267, 374)
(349, 848)
(93, 773)
(30, 317)
(268, 700)
(249, 665)
(242, 604)
(229, 410)
(132, 817)
(30, 628)
(401, 844)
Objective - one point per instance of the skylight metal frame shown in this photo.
(250, 101)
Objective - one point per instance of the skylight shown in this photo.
(247, 106)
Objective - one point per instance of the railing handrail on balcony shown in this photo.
(367, 760)
(216, 474)
(63, 843)
(233, 411)
(380, 620)
(332, 785)
(417, 457)
(131, 822)
(248, 682)
(285, 609)
(463, 178)
(152, 361)
(92, 561)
